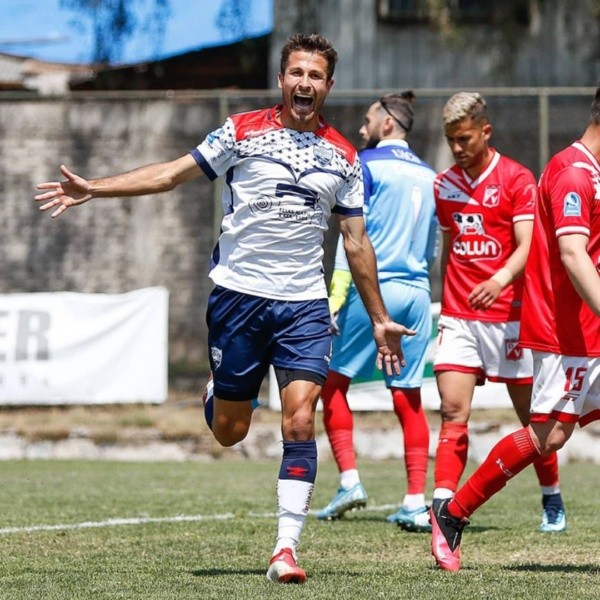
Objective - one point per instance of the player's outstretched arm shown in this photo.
(74, 190)
(363, 266)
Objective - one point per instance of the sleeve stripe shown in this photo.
(517, 218)
(572, 229)
(208, 171)
(348, 212)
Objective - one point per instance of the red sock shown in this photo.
(546, 468)
(505, 460)
(338, 420)
(410, 413)
(451, 454)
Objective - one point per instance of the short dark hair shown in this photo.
(595, 111)
(399, 107)
(310, 43)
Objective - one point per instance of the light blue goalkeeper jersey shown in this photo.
(399, 213)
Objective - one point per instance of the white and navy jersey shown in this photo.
(280, 189)
(399, 213)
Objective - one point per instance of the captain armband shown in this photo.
(338, 289)
(502, 276)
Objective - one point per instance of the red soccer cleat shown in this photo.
(283, 568)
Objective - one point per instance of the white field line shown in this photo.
(145, 520)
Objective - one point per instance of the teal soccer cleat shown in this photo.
(553, 514)
(343, 501)
(412, 520)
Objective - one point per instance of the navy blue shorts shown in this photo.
(248, 333)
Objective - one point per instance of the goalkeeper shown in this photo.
(400, 220)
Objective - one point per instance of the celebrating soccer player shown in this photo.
(287, 170)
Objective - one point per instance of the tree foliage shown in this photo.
(233, 17)
(114, 22)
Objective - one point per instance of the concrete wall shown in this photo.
(110, 245)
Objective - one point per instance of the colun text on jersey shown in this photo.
(472, 242)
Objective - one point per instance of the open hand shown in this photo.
(74, 190)
(389, 348)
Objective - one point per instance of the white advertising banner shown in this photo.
(72, 348)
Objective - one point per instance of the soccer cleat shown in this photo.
(208, 401)
(283, 568)
(412, 520)
(343, 501)
(553, 514)
(446, 534)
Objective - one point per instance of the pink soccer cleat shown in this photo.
(446, 535)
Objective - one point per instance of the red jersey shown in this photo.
(555, 318)
(479, 215)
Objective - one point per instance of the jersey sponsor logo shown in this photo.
(451, 188)
(472, 242)
(513, 350)
(469, 223)
(310, 197)
(294, 214)
(572, 205)
(252, 133)
(215, 135)
(324, 154)
(453, 194)
(491, 195)
(260, 204)
(217, 356)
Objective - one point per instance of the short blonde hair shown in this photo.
(463, 105)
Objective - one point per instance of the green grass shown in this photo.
(362, 556)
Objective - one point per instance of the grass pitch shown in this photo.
(83, 530)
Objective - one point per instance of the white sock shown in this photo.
(349, 478)
(442, 493)
(413, 501)
(550, 489)
(294, 500)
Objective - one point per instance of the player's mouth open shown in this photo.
(303, 103)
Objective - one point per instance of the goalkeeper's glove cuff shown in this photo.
(338, 289)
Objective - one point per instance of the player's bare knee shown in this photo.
(228, 435)
(454, 412)
(227, 439)
(299, 427)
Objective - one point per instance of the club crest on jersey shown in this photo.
(572, 205)
(472, 242)
(491, 195)
(323, 154)
(513, 350)
(217, 355)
